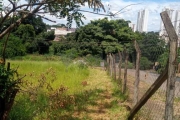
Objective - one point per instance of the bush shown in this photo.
(130, 65)
(9, 84)
(162, 59)
(14, 47)
(145, 63)
(93, 60)
(71, 53)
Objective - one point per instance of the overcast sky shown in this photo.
(129, 13)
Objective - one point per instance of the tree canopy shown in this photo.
(59, 8)
(99, 37)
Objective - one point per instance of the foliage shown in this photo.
(59, 8)
(37, 23)
(145, 63)
(98, 38)
(15, 47)
(42, 42)
(92, 60)
(151, 46)
(10, 84)
(130, 65)
(8, 81)
(25, 32)
(71, 53)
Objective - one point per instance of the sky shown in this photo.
(128, 13)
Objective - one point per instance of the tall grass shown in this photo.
(48, 89)
(70, 76)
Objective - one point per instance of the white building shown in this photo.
(163, 32)
(177, 22)
(132, 26)
(177, 25)
(51, 29)
(142, 20)
(61, 32)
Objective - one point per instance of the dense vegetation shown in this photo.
(30, 37)
(97, 38)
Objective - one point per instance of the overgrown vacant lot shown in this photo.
(53, 91)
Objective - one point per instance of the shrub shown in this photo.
(9, 84)
(93, 60)
(145, 63)
(14, 47)
(71, 53)
(130, 65)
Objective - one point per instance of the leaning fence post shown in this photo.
(171, 67)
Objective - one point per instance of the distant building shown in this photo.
(61, 32)
(177, 25)
(177, 22)
(51, 29)
(132, 26)
(142, 20)
(163, 34)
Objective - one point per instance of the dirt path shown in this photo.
(106, 103)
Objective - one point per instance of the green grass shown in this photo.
(70, 76)
(53, 90)
(48, 89)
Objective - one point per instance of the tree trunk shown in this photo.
(137, 73)
(125, 72)
(120, 64)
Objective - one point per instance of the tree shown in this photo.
(25, 32)
(15, 47)
(58, 8)
(43, 42)
(151, 46)
(36, 22)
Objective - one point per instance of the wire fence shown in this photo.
(159, 79)
(154, 108)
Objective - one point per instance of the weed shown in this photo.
(46, 94)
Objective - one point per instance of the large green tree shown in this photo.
(151, 46)
(99, 37)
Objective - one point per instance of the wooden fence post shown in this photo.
(169, 73)
(114, 66)
(154, 87)
(107, 67)
(137, 73)
(120, 64)
(172, 66)
(111, 64)
(125, 71)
